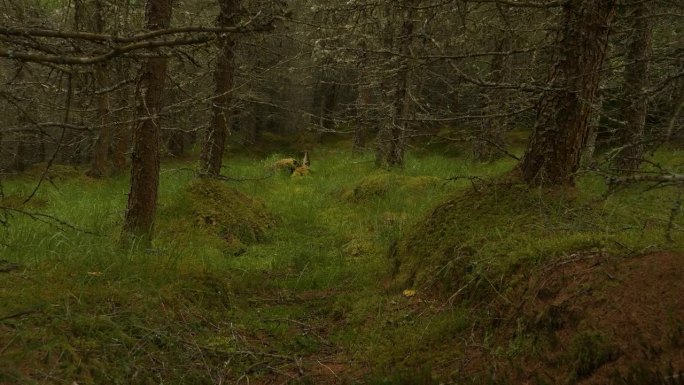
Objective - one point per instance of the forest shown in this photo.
(380, 192)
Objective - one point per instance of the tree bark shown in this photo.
(174, 139)
(592, 136)
(142, 200)
(492, 137)
(70, 149)
(676, 102)
(635, 80)
(391, 136)
(99, 167)
(122, 131)
(214, 142)
(328, 103)
(362, 104)
(555, 147)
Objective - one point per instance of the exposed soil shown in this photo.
(600, 320)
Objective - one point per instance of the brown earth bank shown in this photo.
(591, 319)
(585, 318)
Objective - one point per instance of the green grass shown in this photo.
(311, 290)
(503, 226)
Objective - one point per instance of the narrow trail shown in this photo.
(297, 308)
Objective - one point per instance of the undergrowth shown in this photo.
(269, 276)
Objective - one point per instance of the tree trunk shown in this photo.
(676, 102)
(142, 200)
(71, 143)
(554, 151)
(635, 80)
(21, 154)
(489, 145)
(175, 143)
(214, 142)
(592, 136)
(250, 127)
(99, 167)
(122, 130)
(328, 104)
(362, 105)
(174, 139)
(391, 137)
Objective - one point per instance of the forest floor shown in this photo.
(342, 277)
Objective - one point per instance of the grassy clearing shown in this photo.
(302, 291)
(262, 297)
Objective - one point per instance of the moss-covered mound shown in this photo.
(56, 172)
(214, 207)
(552, 287)
(491, 230)
(380, 184)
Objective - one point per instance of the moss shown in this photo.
(381, 183)
(370, 186)
(56, 172)
(492, 232)
(358, 248)
(222, 211)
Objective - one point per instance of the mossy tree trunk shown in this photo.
(213, 146)
(635, 80)
(555, 147)
(142, 199)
